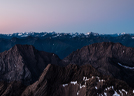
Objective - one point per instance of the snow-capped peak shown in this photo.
(89, 33)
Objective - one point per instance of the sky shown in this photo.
(99, 16)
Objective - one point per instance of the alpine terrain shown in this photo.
(99, 69)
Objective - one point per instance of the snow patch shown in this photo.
(81, 86)
(85, 78)
(73, 82)
(125, 66)
(116, 94)
(78, 92)
(96, 87)
(132, 37)
(105, 93)
(24, 36)
(122, 33)
(121, 92)
(124, 91)
(100, 80)
(97, 77)
(64, 85)
(94, 34)
(19, 34)
(111, 87)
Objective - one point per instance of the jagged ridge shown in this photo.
(73, 80)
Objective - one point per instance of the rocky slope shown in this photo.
(76, 81)
(14, 88)
(98, 69)
(71, 80)
(108, 58)
(24, 63)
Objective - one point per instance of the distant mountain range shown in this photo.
(55, 35)
(100, 69)
(61, 44)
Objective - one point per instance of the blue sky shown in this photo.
(100, 16)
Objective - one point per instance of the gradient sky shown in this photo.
(100, 16)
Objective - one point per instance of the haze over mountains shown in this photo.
(101, 68)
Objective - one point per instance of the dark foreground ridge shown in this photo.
(75, 81)
(71, 80)
(99, 69)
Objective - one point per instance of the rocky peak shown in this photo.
(109, 58)
(24, 63)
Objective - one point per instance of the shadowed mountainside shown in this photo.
(92, 71)
(109, 58)
(24, 63)
(62, 44)
(73, 80)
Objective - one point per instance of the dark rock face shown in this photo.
(24, 63)
(93, 70)
(73, 80)
(106, 57)
(11, 89)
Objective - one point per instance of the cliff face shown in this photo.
(24, 63)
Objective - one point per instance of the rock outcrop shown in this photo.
(108, 58)
(73, 80)
(24, 63)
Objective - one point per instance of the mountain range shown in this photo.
(99, 69)
(61, 44)
(54, 34)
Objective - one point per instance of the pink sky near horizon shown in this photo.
(103, 16)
